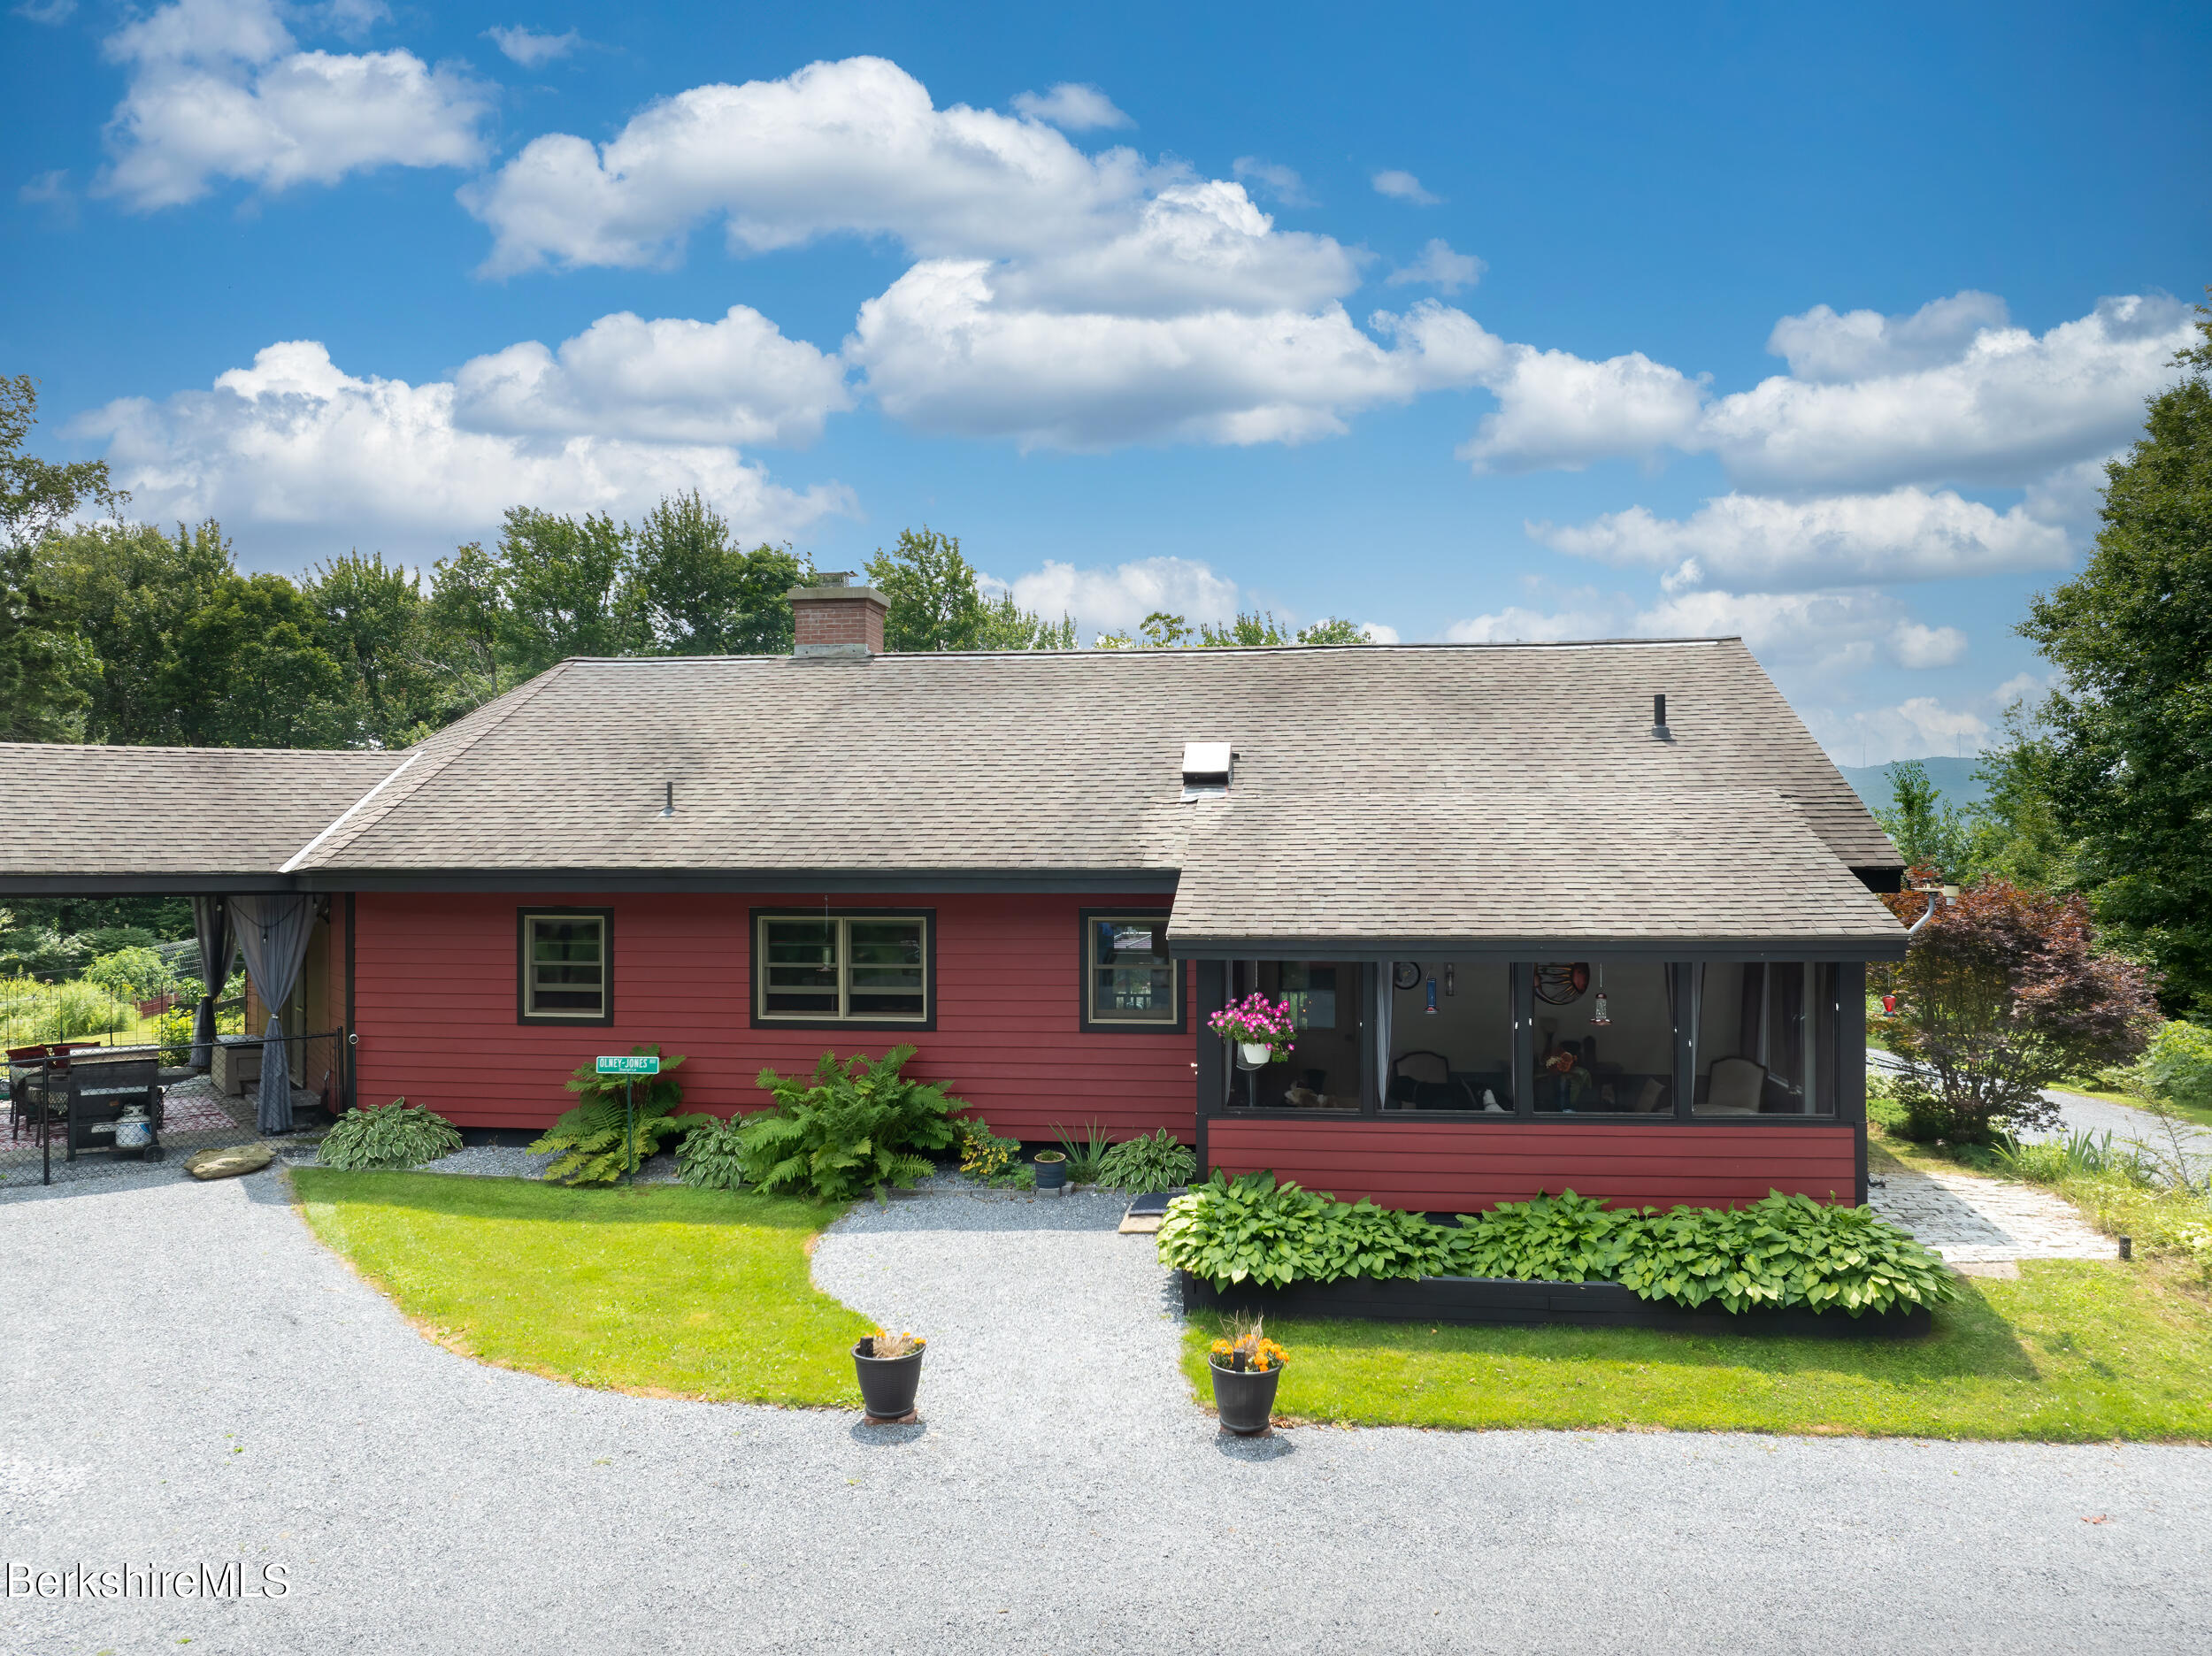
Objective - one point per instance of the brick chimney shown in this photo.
(837, 619)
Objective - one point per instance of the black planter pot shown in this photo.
(1245, 1398)
(1050, 1175)
(888, 1385)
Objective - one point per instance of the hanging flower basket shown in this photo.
(1261, 1028)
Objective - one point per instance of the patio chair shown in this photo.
(29, 1091)
(1737, 1086)
(1423, 1080)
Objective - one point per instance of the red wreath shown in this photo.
(1561, 984)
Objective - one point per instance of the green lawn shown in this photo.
(2074, 1350)
(659, 1290)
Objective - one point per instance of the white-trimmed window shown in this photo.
(566, 966)
(1129, 981)
(855, 968)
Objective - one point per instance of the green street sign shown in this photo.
(629, 1066)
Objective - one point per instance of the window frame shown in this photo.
(523, 1013)
(757, 954)
(1091, 1024)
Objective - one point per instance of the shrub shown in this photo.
(712, 1153)
(394, 1135)
(2003, 994)
(2053, 1162)
(2179, 1064)
(131, 974)
(1156, 1163)
(1785, 1251)
(854, 1126)
(588, 1142)
(63, 1011)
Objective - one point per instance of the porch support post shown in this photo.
(1213, 994)
(1851, 1062)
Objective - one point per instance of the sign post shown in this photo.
(629, 1067)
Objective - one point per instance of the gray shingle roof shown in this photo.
(1505, 788)
(178, 814)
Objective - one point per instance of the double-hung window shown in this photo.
(856, 968)
(1129, 982)
(565, 972)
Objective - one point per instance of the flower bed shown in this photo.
(1253, 1243)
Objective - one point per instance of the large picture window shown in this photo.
(1129, 981)
(565, 970)
(861, 967)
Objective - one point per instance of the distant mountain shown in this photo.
(1954, 776)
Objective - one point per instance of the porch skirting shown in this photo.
(1475, 1300)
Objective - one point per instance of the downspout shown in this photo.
(1936, 896)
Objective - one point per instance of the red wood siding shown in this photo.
(435, 1001)
(1458, 1166)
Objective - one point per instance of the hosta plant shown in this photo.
(712, 1153)
(1252, 1228)
(394, 1135)
(588, 1145)
(1155, 1164)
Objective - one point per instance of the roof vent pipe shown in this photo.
(668, 809)
(1659, 719)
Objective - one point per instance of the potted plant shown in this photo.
(1247, 1368)
(890, 1371)
(1261, 1028)
(1052, 1169)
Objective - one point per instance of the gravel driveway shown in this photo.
(186, 1375)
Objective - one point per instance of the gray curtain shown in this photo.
(1384, 973)
(273, 932)
(211, 919)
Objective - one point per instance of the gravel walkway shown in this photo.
(187, 1375)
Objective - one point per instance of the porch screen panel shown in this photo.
(1322, 1070)
(1766, 1038)
(1605, 1038)
(1451, 1038)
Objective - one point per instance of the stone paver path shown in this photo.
(1972, 1220)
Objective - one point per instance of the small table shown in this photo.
(233, 1063)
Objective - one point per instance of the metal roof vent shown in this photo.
(1206, 767)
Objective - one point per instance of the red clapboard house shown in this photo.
(1583, 914)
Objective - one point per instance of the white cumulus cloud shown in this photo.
(219, 89)
(1828, 348)
(735, 380)
(1558, 409)
(1758, 540)
(1072, 108)
(1117, 599)
(1912, 644)
(530, 48)
(1403, 187)
(1440, 268)
(294, 441)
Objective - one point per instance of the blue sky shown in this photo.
(1473, 323)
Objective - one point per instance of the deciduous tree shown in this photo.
(2003, 993)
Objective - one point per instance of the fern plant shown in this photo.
(394, 1135)
(712, 1154)
(1156, 1163)
(588, 1143)
(853, 1126)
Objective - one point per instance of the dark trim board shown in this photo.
(1152, 882)
(1482, 1300)
(1513, 950)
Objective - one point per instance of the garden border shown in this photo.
(1501, 1300)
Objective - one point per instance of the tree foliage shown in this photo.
(2127, 748)
(1259, 628)
(1927, 831)
(45, 665)
(2003, 993)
